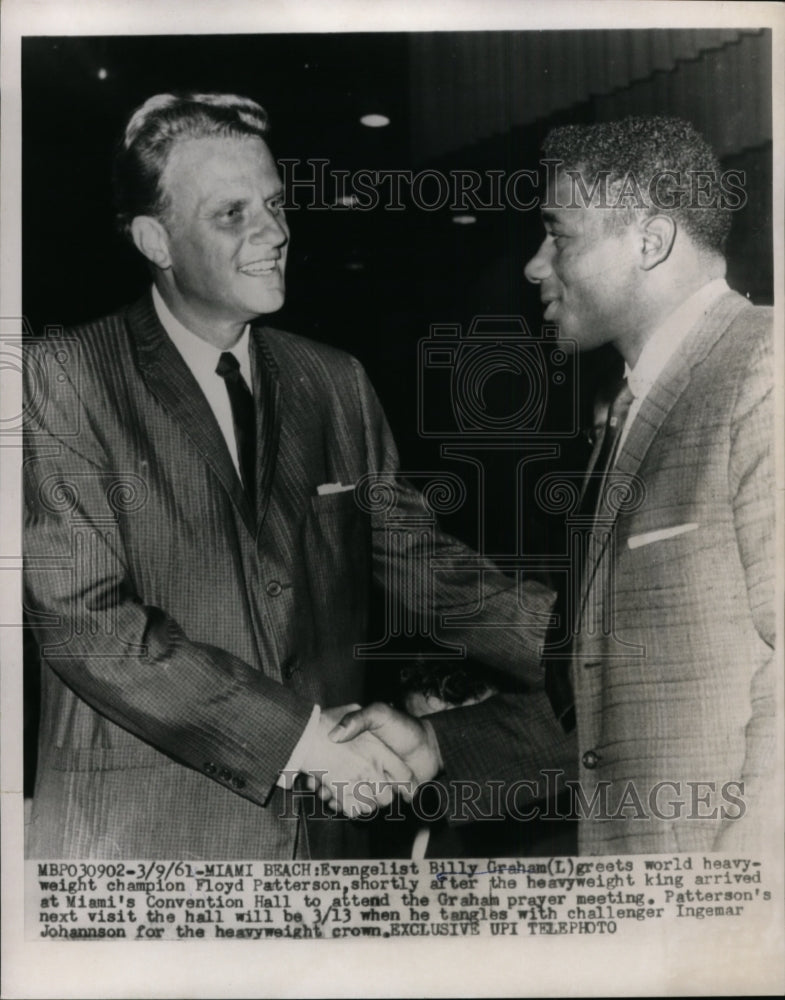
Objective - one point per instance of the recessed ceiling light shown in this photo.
(375, 121)
(102, 73)
(464, 220)
(347, 200)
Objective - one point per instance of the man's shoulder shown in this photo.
(290, 349)
(735, 371)
(116, 320)
(745, 341)
(744, 317)
(106, 335)
(94, 351)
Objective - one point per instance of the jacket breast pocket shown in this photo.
(665, 550)
(339, 502)
(660, 534)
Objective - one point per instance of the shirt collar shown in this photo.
(664, 342)
(200, 356)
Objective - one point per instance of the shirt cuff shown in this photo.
(300, 753)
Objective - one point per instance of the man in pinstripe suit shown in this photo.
(671, 665)
(197, 568)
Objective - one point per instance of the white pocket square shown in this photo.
(327, 488)
(635, 541)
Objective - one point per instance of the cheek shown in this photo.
(572, 268)
(213, 259)
(575, 279)
(589, 270)
(592, 283)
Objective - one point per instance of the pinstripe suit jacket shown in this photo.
(184, 642)
(673, 668)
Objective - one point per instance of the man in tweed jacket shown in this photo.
(194, 616)
(672, 665)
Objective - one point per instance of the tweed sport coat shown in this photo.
(673, 667)
(184, 642)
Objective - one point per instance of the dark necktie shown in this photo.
(242, 404)
(557, 671)
(598, 470)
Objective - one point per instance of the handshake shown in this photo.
(367, 755)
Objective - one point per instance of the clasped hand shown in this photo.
(366, 755)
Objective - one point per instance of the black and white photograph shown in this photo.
(392, 499)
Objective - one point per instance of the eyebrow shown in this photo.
(215, 203)
(212, 201)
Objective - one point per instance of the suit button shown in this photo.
(238, 782)
(224, 774)
(590, 759)
(210, 768)
(274, 588)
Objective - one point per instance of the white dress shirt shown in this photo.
(663, 344)
(202, 359)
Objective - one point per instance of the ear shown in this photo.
(151, 240)
(658, 233)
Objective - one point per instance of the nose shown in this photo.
(539, 267)
(269, 227)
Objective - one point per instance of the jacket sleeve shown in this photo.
(130, 662)
(435, 578)
(751, 486)
(512, 741)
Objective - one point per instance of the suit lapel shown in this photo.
(169, 379)
(660, 400)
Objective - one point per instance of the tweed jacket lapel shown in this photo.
(167, 376)
(266, 389)
(672, 382)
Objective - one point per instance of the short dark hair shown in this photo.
(144, 149)
(654, 151)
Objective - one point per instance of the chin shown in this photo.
(267, 304)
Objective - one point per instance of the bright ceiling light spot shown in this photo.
(102, 73)
(347, 200)
(375, 121)
(464, 220)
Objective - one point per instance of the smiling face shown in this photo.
(587, 272)
(224, 236)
